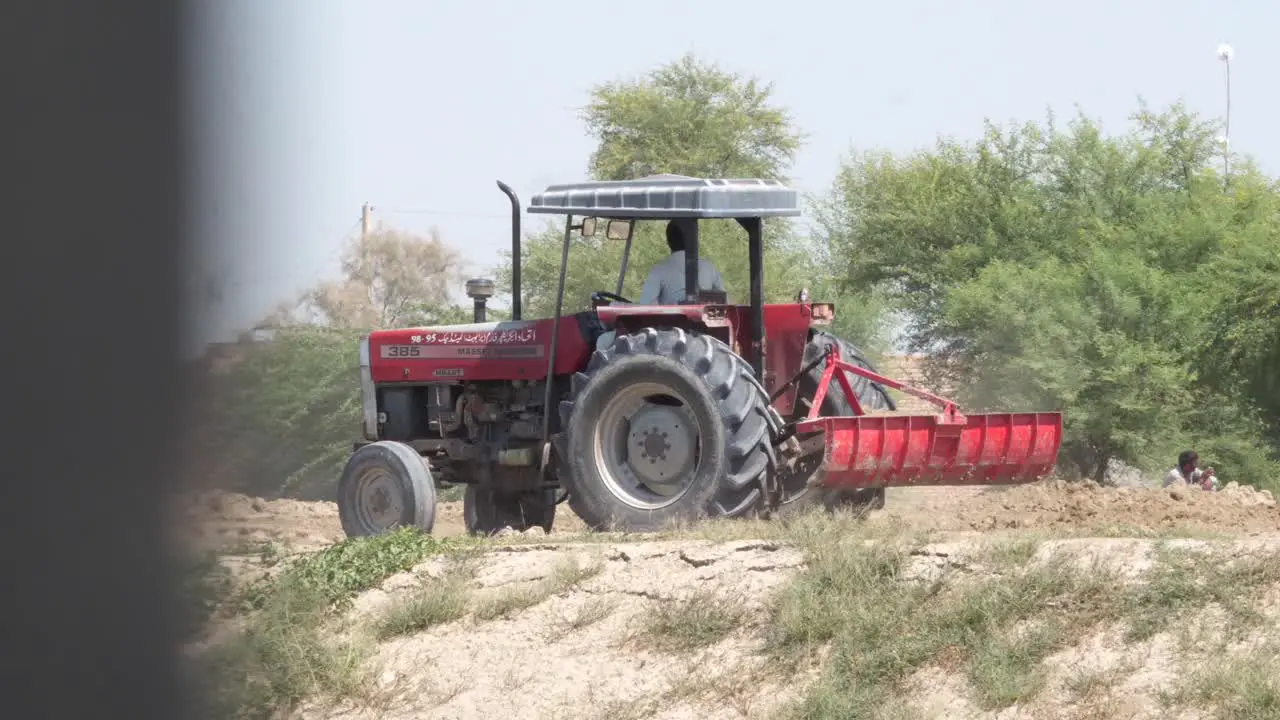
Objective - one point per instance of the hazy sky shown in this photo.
(304, 109)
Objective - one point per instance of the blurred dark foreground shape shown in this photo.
(92, 313)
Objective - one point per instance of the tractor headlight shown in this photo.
(368, 394)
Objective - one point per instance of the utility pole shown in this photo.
(1225, 54)
(366, 221)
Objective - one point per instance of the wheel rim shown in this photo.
(647, 446)
(377, 499)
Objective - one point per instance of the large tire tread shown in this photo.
(741, 407)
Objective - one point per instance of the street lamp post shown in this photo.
(1225, 53)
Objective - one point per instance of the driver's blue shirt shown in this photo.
(665, 284)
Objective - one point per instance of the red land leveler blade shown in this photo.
(948, 448)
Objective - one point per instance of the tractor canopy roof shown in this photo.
(669, 197)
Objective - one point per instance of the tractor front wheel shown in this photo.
(385, 485)
(485, 512)
(666, 426)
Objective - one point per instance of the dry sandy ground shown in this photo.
(574, 655)
(544, 662)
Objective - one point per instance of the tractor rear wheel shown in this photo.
(486, 512)
(666, 426)
(385, 485)
(797, 495)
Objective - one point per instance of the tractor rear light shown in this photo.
(368, 395)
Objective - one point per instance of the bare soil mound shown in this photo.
(1056, 504)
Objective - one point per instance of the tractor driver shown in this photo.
(665, 284)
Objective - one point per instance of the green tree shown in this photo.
(689, 118)
(1059, 268)
(1243, 347)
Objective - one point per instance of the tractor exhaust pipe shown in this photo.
(480, 290)
(515, 248)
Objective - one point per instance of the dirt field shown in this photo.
(572, 625)
(218, 519)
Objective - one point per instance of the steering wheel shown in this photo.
(599, 295)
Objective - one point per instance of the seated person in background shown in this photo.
(1188, 474)
(665, 284)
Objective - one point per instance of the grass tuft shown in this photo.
(592, 610)
(288, 649)
(1244, 687)
(882, 622)
(435, 602)
(700, 620)
(1189, 580)
(282, 657)
(1013, 552)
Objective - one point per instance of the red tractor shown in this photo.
(639, 415)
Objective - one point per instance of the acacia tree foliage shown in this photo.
(1051, 268)
(1244, 340)
(687, 118)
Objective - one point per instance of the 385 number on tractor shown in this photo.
(640, 415)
